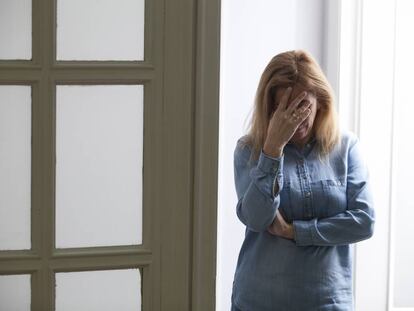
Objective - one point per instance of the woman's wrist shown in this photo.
(272, 152)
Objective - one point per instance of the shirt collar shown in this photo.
(311, 142)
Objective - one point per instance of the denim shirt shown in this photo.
(330, 207)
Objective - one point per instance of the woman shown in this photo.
(303, 195)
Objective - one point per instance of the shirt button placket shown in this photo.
(307, 189)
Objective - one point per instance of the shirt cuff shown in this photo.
(269, 164)
(303, 232)
(274, 167)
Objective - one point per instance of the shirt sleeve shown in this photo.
(257, 202)
(353, 225)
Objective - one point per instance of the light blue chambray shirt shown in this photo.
(330, 206)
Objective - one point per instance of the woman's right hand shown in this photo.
(283, 124)
(281, 228)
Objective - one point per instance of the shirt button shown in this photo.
(307, 194)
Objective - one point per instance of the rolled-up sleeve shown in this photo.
(356, 223)
(257, 201)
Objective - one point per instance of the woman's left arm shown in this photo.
(353, 225)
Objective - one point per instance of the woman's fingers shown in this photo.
(300, 115)
(286, 118)
(293, 105)
(303, 115)
(284, 100)
(280, 217)
(273, 227)
(284, 225)
(305, 107)
(271, 230)
(280, 227)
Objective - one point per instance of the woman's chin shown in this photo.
(301, 132)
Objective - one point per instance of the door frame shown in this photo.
(193, 45)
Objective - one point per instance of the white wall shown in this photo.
(252, 32)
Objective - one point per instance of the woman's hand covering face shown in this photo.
(285, 120)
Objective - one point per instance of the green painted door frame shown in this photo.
(192, 41)
(180, 75)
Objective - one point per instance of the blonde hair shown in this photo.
(296, 67)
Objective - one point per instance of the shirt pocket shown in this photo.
(335, 202)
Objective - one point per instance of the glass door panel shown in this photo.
(99, 160)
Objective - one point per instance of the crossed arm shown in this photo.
(258, 192)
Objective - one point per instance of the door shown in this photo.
(108, 154)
